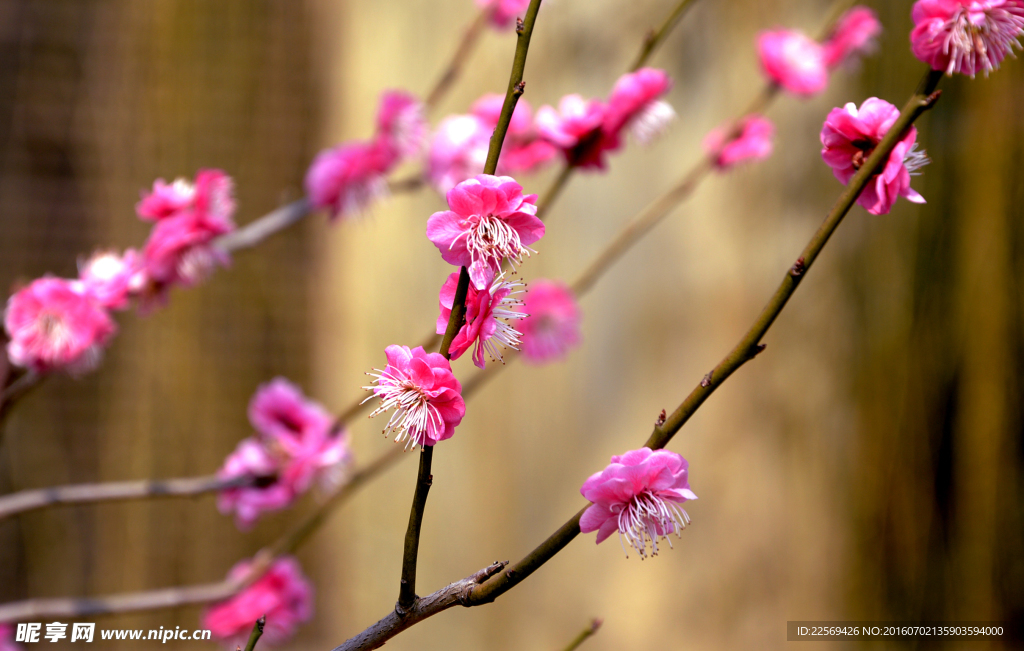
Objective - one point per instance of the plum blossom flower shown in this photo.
(966, 37)
(794, 61)
(179, 250)
(854, 34)
(166, 199)
(296, 443)
(489, 221)
(487, 313)
(848, 137)
(576, 121)
(754, 142)
(54, 325)
(552, 325)
(110, 279)
(504, 12)
(458, 150)
(639, 494)
(348, 178)
(210, 195)
(424, 393)
(283, 594)
(635, 104)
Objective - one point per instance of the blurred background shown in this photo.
(867, 466)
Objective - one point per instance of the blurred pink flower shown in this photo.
(166, 199)
(966, 37)
(489, 221)
(504, 12)
(576, 128)
(7, 642)
(753, 143)
(424, 393)
(110, 279)
(458, 151)
(295, 445)
(54, 325)
(854, 34)
(523, 150)
(487, 312)
(552, 324)
(283, 594)
(848, 137)
(639, 494)
(349, 178)
(401, 125)
(636, 104)
(793, 61)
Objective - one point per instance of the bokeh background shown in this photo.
(866, 466)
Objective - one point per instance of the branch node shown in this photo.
(519, 88)
(798, 268)
(756, 350)
(661, 419)
(929, 101)
(519, 26)
(706, 382)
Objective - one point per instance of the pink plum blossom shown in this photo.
(854, 34)
(639, 494)
(401, 124)
(552, 324)
(504, 12)
(793, 61)
(576, 128)
(424, 393)
(54, 325)
(166, 199)
(848, 137)
(210, 195)
(349, 178)
(458, 150)
(966, 37)
(523, 150)
(296, 444)
(489, 221)
(487, 312)
(283, 594)
(636, 104)
(110, 279)
(754, 142)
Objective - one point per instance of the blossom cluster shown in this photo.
(282, 594)
(296, 444)
(64, 324)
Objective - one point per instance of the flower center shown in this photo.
(493, 239)
(981, 38)
(414, 415)
(648, 517)
(864, 149)
(54, 329)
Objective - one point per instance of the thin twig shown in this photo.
(257, 633)
(584, 634)
(451, 73)
(32, 499)
(656, 37)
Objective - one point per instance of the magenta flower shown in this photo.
(523, 150)
(348, 179)
(7, 638)
(504, 12)
(166, 200)
(424, 393)
(210, 196)
(489, 221)
(296, 444)
(487, 312)
(966, 37)
(754, 142)
(552, 324)
(851, 134)
(401, 125)
(53, 325)
(854, 34)
(793, 61)
(111, 279)
(635, 104)
(639, 494)
(458, 151)
(283, 594)
(576, 128)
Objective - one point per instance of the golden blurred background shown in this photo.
(867, 466)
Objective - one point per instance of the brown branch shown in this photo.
(656, 37)
(257, 633)
(38, 498)
(584, 634)
(466, 44)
